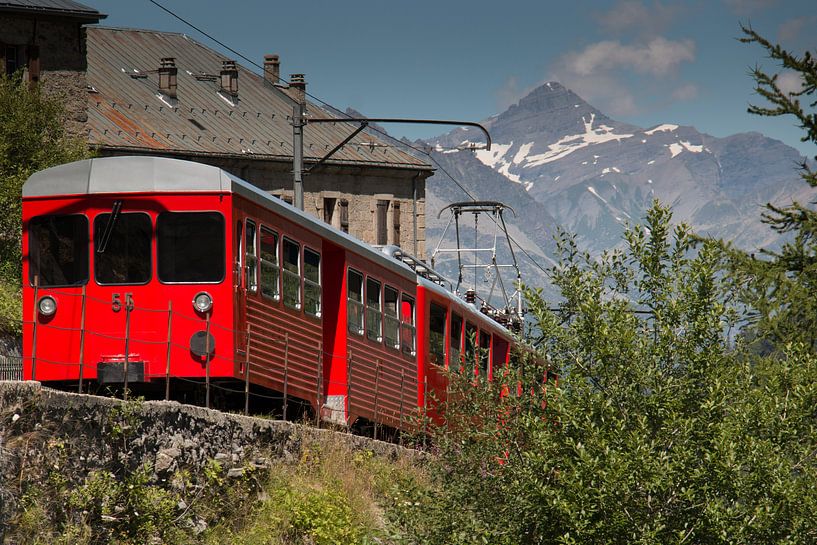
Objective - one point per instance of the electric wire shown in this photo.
(340, 112)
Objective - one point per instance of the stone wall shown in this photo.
(61, 59)
(99, 433)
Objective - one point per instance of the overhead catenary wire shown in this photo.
(338, 111)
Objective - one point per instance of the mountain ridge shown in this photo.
(592, 175)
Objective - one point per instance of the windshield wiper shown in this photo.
(106, 234)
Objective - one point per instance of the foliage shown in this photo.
(778, 287)
(32, 137)
(660, 431)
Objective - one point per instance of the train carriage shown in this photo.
(143, 269)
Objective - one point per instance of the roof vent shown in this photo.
(272, 69)
(229, 79)
(167, 76)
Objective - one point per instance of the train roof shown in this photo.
(143, 174)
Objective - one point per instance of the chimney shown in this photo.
(167, 76)
(297, 84)
(272, 69)
(229, 78)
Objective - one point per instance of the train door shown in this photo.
(244, 277)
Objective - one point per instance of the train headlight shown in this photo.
(47, 305)
(202, 302)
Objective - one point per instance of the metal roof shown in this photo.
(127, 112)
(142, 174)
(63, 8)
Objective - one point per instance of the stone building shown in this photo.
(164, 93)
(46, 39)
(148, 92)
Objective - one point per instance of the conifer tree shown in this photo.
(779, 286)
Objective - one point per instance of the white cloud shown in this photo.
(796, 32)
(657, 57)
(604, 91)
(790, 82)
(509, 93)
(746, 7)
(685, 92)
(628, 16)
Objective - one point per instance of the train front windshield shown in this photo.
(190, 247)
(58, 250)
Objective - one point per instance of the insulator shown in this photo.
(470, 296)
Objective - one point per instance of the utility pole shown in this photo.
(297, 82)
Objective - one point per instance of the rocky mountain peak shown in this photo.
(562, 159)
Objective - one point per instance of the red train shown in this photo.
(143, 270)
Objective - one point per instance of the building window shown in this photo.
(312, 282)
(292, 273)
(391, 318)
(11, 58)
(373, 313)
(344, 215)
(328, 209)
(251, 258)
(381, 214)
(407, 325)
(354, 302)
(396, 224)
(270, 269)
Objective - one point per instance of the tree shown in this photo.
(660, 431)
(32, 137)
(779, 286)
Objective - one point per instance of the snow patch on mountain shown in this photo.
(666, 127)
(570, 143)
(593, 191)
(677, 147)
(523, 152)
(692, 148)
(493, 156)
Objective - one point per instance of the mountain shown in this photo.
(558, 161)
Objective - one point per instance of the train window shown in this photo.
(312, 282)
(354, 302)
(270, 269)
(251, 258)
(470, 346)
(374, 314)
(456, 342)
(436, 335)
(391, 319)
(125, 257)
(499, 355)
(58, 250)
(190, 247)
(484, 352)
(408, 329)
(292, 273)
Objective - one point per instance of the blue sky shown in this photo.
(643, 62)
